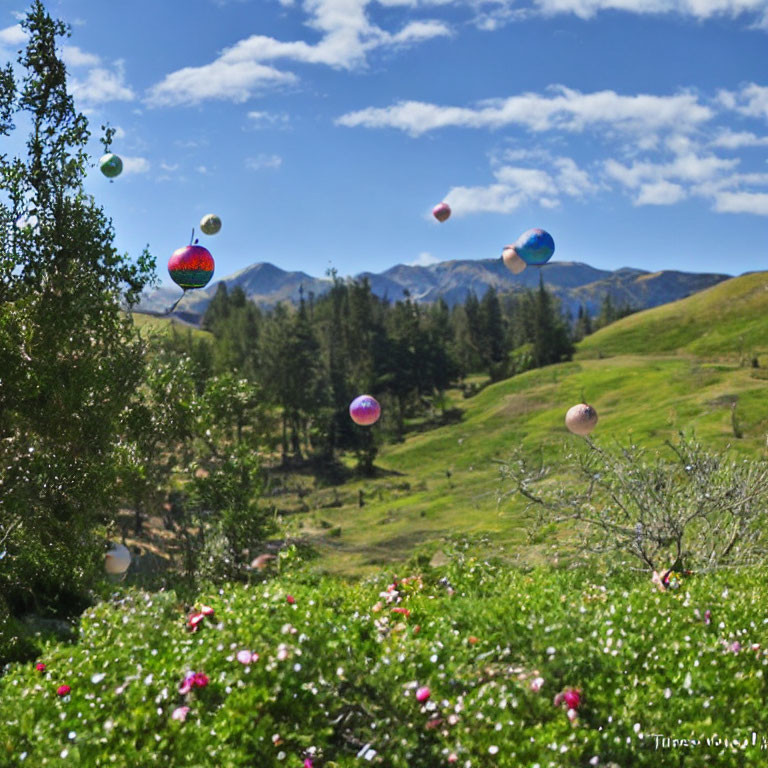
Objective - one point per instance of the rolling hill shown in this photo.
(729, 319)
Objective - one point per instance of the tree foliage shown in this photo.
(70, 360)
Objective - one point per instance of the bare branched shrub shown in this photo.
(687, 507)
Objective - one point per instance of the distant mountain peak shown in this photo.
(574, 283)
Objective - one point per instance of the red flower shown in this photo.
(291, 599)
(572, 698)
(40, 667)
(404, 611)
(206, 610)
(194, 621)
(63, 690)
(416, 629)
(200, 680)
(472, 640)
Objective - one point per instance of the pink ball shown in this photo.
(442, 211)
(365, 410)
(581, 419)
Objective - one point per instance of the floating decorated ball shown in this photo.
(442, 212)
(535, 247)
(365, 410)
(581, 419)
(191, 266)
(111, 165)
(512, 261)
(117, 559)
(210, 224)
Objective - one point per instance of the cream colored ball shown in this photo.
(581, 419)
(512, 261)
(117, 559)
(210, 224)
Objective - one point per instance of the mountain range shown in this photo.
(574, 283)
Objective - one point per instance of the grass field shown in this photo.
(415, 504)
(729, 320)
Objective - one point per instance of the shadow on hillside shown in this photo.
(324, 473)
(448, 417)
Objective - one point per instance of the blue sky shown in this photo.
(322, 132)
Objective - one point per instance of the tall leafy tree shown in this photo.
(70, 360)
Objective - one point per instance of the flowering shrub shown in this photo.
(554, 677)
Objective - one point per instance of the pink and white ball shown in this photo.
(365, 410)
(581, 419)
(442, 212)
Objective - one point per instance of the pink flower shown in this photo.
(40, 667)
(572, 698)
(707, 616)
(422, 694)
(558, 700)
(536, 684)
(404, 611)
(472, 640)
(200, 680)
(307, 763)
(180, 714)
(453, 757)
(63, 690)
(735, 646)
(572, 715)
(291, 599)
(417, 629)
(186, 686)
(246, 657)
(206, 610)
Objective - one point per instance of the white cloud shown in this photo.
(13, 36)
(169, 167)
(135, 165)
(219, 80)
(102, 85)
(496, 198)
(264, 161)
(347, 36)
(751, 100)
(566, 109)
(700, 9)
(260, 119)
(75, 57)
(517, 185)
(424, 260)
(729, 139)
(660, 193)
(742, 202)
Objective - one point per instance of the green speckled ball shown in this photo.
(111, 165)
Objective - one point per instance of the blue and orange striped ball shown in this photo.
(191, 266)
(535, 247)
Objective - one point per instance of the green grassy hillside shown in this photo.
(415, 503)
(164, 325)
(729, 320)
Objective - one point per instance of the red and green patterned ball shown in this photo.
(191, 266)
